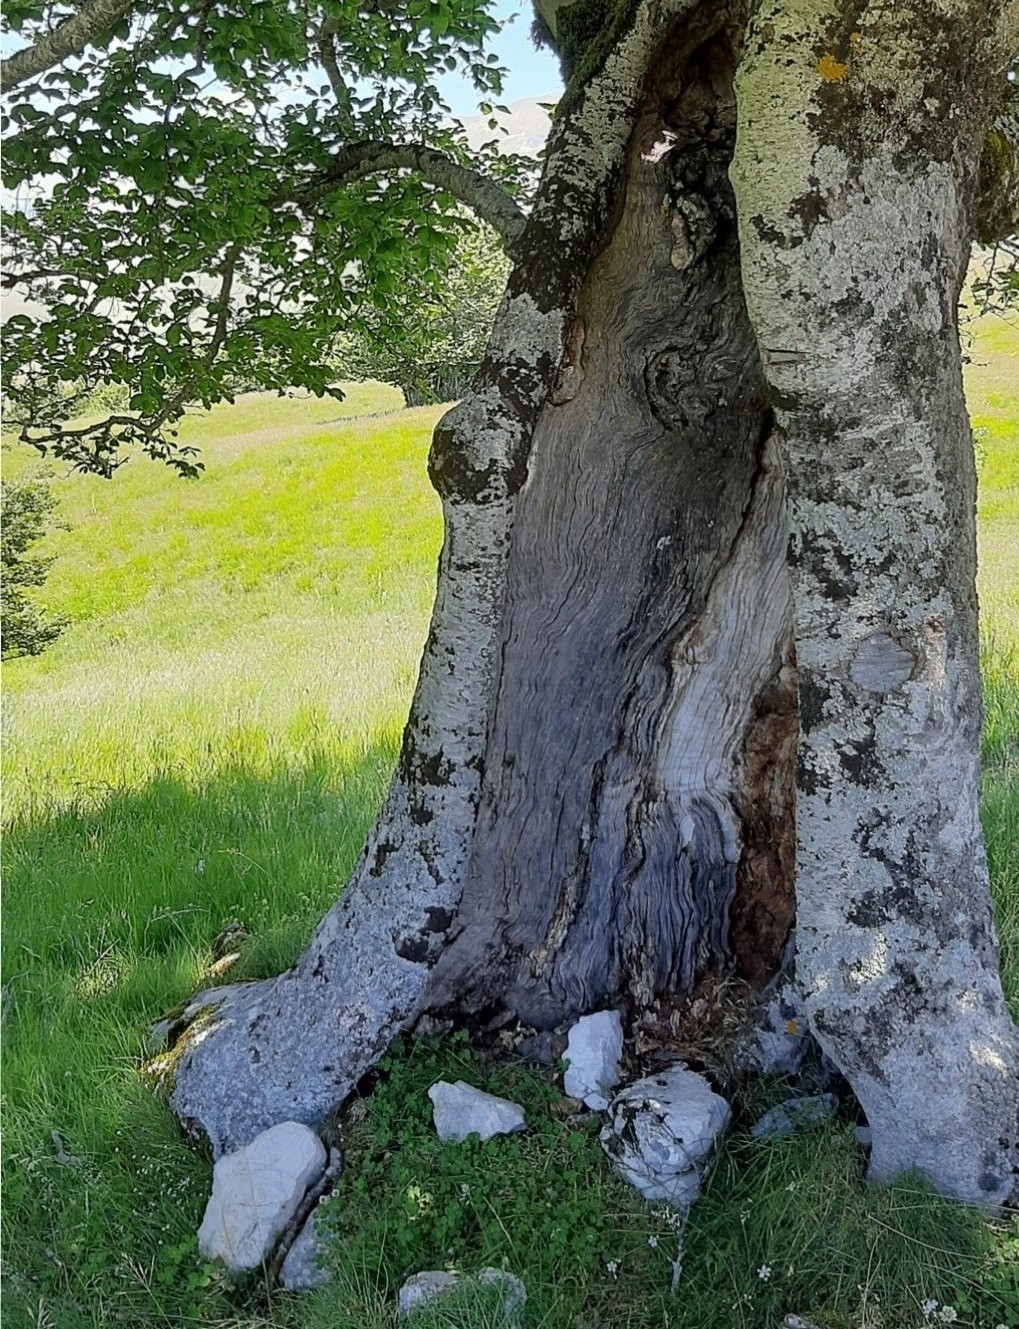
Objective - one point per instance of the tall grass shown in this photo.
(205, 747)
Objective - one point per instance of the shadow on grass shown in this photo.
(111, 910)
(150, 871)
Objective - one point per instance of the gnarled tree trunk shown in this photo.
(594, 803)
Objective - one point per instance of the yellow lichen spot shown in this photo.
(830, 69)
(854, 37)
(792, 1027)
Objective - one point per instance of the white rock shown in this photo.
(421, 1288)
(256, 1192)
(460, 1110)
(593, 1051)
(514, 1294)
(662, 1131)
(302, 1270)
(303, 1267)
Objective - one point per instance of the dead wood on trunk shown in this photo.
(647, 616)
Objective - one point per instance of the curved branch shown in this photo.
(477, 191)
(93, 20)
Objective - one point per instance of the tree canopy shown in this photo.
(204, 194)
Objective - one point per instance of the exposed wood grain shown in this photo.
(647, 609)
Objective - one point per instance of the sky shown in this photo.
(530, 72)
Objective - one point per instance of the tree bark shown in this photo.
(854, 174)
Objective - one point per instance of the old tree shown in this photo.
(703, 657)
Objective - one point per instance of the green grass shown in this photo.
(209, 741)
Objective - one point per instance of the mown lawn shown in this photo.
(208, 742)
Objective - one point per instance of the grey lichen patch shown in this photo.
(881, 664)
(894, 85)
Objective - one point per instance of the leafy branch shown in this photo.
(473, 188)
(95, 446)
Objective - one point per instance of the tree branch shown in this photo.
(93, 447)
(482, 195)
(327, 54)
(227, 269)
(93, 20)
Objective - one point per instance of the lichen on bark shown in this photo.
(855, 221)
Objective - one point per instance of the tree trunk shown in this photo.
(855, 221)
(292, 1048)
(594, 800)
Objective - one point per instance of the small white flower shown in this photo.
(947, 1315)
(764, 1273)
(928, 1307)
(612, 1266)
(652, 1241)
(200, 866)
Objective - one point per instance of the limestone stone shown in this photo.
(256, 1192)
(662, 1131)
(793, 1115)
(422, 1288)
(593, 1051)
(460, 1110)
(302, 1268)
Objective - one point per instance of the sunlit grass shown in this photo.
(208, 743)
(992, 386)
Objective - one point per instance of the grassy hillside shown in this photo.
(992, 385)
(207, 742)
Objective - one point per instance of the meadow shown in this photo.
(205, 747)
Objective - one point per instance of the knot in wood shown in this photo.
(881, 664)
(693, 226)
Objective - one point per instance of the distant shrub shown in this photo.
(26, 508)
(430, 342)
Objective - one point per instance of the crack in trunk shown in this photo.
(606, 857)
